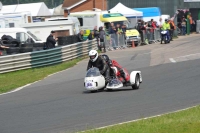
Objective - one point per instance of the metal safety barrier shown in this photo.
(198, 26)
(115, 41)
(151, 35)
(45, 57)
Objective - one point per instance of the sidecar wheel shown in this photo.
(137, 82)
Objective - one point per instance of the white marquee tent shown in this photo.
(36, 9)
(127, 12)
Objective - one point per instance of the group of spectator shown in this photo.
(143, 26)
(183, 23)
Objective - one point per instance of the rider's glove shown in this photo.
(101, 72)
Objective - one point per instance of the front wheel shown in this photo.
(137, 82)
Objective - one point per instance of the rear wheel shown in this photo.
(166, 41)
(137, 82)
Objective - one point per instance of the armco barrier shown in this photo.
(45, 57)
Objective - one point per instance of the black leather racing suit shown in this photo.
(102, 65)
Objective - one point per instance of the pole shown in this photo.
(175, 18)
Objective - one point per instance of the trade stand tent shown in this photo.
(36, 9)
(127, 12)
(130, 14)
(149, 13)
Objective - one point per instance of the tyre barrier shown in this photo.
(42, 58)
(12, 50)
(67, 40)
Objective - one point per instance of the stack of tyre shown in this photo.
(38, 46)
(67, 40)
(12, 43)
(16, 47)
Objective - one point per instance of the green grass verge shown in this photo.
(13, 80)
(187, 121)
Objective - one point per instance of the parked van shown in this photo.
(21, 34)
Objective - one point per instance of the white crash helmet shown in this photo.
(93, 54)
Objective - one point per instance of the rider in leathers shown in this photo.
(99, 62)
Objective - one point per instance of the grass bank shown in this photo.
(13, 80)
(187, 121)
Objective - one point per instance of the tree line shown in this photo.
(49, 3)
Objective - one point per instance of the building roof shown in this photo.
(36, 9)
(69, 4)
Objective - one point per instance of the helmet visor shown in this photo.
(92, 57)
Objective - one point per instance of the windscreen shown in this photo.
(93, 72)
(33, 36)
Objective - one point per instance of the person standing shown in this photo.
(51, 40)
(91, 36)
(183, 25)
(172, 28)
(80, 36)
(2, 48)
(102, 35)
(189, 16)
(96, 35)
(96, 32)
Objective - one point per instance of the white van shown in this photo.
(21, 34)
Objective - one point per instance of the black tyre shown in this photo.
(166, 41)
(137, 82)
(37, 48)
(12, 50)
(11, 45)
(27, 45)
(25, 50)
(38, 44)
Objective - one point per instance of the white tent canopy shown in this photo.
(36, 9)
(127, 12)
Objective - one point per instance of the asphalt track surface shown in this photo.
(59, 103)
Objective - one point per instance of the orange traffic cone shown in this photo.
(133, 44)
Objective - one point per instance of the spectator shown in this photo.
(2, 48)
(140, 28)
(96, 35)
(96, 32)
(183, 25)
(190, 21)
(91, 36)
(113, 30)
(145, 25)
(153, 24)
(172, 28)
(80, 36)
(51, 40)
(160, 23)
(124, 29)
(156, 24)
(102, 36)
(119, 29)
